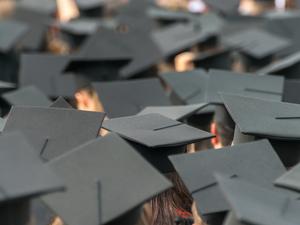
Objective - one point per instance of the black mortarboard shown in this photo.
(288, 67)
(46, 73)
(64, 75)
(291, 91)
(37, 21)
(113, 44)
(290, 179)
(265, 87)
(187, 87)
(11, 33)
(60, 102)
(91, 8)
(23, 176)
(134, 16)
(256, 162)
(174, 112)
(27, 96)
(168, 16)
(44, 6)
(231, 6)
(257, 44)
(54, 131)
(96, 69)
(219, 59)
(79, 27)
(99, 174)
(253, 204)
(127, 98)
(284, 25)
(156, 137)
(276, 121)
(181, 36)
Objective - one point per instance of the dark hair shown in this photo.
(165, 205)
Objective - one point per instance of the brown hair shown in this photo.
(165, 205)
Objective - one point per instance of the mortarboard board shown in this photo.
(284, 25)
(45, 71)
(60, 102)
(174, 112)
(24, 176)
(91, 8)
(36, 21)
(290, 179)
(79, 27)
(168, 16)
(156, 137)
(11, 33)
(288, 67)
(187, 87)
(256, 162)
(182, 36)
(230, 7)
(45, 6)
(126, 98)
(54, 131)
(219, 59)
(253, 204)
(256, 43)
(27, 96)
(95, 69)
(98, 174)
(135, 17)
(291, 91)
(260, 118)
(48, 74)
(113, 44)
(265, 87)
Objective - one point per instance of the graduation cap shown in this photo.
(99, 174)
(156, 137)
(165, 16)
(134, 16)
(230, 7)
(219, 59)
(253, 204)
(288, 67)
(181, 36)
(257, 45)
(47, 7)
(11, 33)
(265, 87)
(258, 118)
(54, 131)
(283, 25)
(126, 98)
(290, 179)
(256, 162)
(174, 112)
(95, 69)
(291, 91)
(27, 96)
(45, 72)
(60, 102)
(91, 8)
(37, 21)
(23, 177)
(187, 87)
(113, 44)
